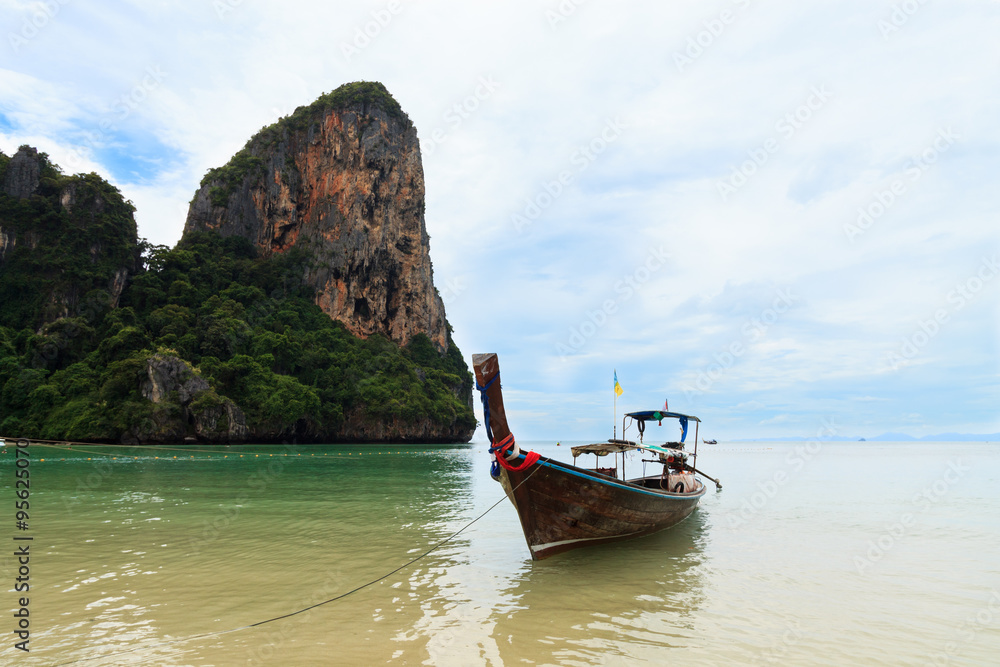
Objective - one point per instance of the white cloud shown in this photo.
(777, 419)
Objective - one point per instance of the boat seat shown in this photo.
(610, 472)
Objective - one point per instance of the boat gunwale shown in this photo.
(611, 481)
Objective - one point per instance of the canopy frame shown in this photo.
(641, 417)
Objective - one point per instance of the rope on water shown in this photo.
(305, 609)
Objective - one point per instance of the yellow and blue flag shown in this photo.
(618, 387)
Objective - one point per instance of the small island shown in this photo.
(298, 306)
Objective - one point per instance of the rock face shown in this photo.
(184, 403)
(342, 177)
(424, 430)
(23, 173)
(167, 375)
(82, 222)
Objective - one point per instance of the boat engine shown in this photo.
(676, 475)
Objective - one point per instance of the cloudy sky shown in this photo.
(778, 215)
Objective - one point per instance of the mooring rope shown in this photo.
(179, 640)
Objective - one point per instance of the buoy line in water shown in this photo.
(385, 576)
(68, 446)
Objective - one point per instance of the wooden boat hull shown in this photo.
(563, 507)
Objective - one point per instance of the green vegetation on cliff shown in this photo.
(240, 332)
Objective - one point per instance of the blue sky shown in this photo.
(774, 214)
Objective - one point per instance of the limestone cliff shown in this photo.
(23, 173)
(68, 244)
(104, 337)
(342, 177)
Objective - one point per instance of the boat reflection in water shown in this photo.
(627, 601)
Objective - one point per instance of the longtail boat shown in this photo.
(562, 506)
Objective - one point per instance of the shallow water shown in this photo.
(844, 553)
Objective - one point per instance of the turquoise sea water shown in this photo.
(840, 553)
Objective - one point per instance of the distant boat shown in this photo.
(711, 442)
(562, 506)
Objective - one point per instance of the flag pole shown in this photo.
(614, 418)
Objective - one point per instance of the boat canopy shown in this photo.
(658, 415)
(605, 448)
